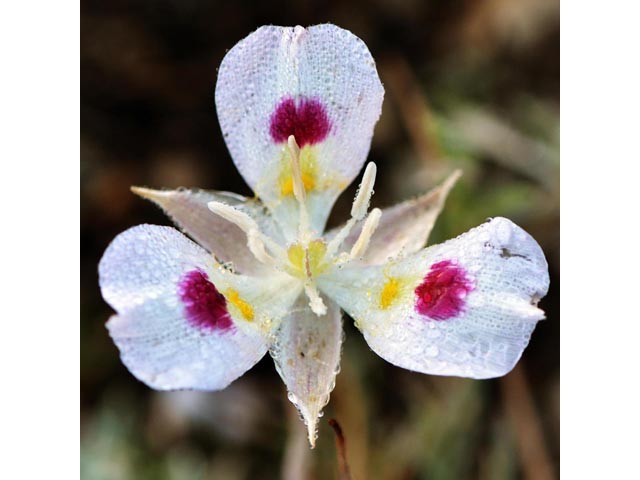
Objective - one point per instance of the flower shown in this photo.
(297, 109)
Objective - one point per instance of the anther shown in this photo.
(233, 215)
(256, 240)
(363, 197)
(296, 172)
(298, 189)
(370, 225)
(358, 209)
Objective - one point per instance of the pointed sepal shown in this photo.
(188, 210)
(307, 356)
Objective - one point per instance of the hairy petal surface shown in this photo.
(188, 209)
(307, 356)
(182, 320)
(319, 84)
(466, 307)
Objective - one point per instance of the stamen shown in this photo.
(256, 246)
(233, 215)
(363, 197)
(370, 225)
(296, 172)
(358, 209)
(340, 237)
(315, 301)
(298, 189)
(256, 240)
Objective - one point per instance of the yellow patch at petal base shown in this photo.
(308, 169)
(395, 289)
(242, 305)
(389, 292)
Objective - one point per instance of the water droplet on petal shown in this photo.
(432, 351)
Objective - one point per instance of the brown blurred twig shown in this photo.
(351, 404)
(413, 106)
(343, 465)
(522, 414)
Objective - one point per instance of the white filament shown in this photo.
(256, 240)
(299, 191)
(370, 225)
(358, 209)
(363, 197)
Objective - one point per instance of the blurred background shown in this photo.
(469, 84)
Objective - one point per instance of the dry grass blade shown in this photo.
(413, 106)
(536, 463)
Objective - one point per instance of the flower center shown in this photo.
(308, 257)
(307, 262)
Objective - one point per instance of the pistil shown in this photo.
(304, 231)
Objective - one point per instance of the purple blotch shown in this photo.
(441, 295)
(304, 118)
(205, 306)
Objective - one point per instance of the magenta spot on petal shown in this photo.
(205, 306)
(304, 118)
(441, 294)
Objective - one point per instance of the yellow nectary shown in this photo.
(233, 297)
(307, 262)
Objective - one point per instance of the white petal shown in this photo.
(307, 356)
(466, 307)
(325, 78)
(173, 334)
(403, 228)
(188, 209)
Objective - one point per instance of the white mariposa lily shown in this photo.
(297, 108)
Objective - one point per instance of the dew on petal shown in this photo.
(205, 306)
(432, 351)
(441, 295)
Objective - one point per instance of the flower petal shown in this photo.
(319, 84)
(307, 356)
(184, 321)
(404, 228)
(188, 209)
(466, 307)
